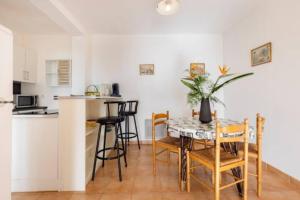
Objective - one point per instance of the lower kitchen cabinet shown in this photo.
(35, 153)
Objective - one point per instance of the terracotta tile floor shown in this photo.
(139, 184)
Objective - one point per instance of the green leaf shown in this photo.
(189, 85)
(217, 87)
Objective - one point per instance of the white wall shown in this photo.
(117, 59)
(48, 47)
(274, 89)
(80, 64)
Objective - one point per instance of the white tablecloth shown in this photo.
(192, 127)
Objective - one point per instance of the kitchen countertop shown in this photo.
(35, 116)
(49, 113)
(86, 97)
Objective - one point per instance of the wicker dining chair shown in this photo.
(203, 142)
(219, 161)
(167, 144)
(255, 152)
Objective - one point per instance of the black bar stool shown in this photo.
(112, 121)
(131, 111)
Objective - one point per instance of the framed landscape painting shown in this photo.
(262, 54)
(197, 69)
(146, 69)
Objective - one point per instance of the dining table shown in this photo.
(189, 129)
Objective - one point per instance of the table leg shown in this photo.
(185, 145)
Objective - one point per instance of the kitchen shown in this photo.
(42, 74)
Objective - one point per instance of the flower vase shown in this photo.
(205, 112)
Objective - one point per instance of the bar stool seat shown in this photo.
(110, 120)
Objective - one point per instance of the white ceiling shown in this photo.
(127, 16)
(140, 16)
(23, 17)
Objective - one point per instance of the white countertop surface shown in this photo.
(35, 116)
(87, 97)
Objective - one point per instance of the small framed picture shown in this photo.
(261, 55)
(146, 69)
(197, 69)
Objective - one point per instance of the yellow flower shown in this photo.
(223, 70)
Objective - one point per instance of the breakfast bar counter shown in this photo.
(77, 138)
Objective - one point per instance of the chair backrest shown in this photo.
(232, 134)
(213, 114)
(121, 107)
(158, 119)
(132, 106)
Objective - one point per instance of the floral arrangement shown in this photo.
(202, 87)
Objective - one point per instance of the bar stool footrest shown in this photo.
(122, 153)
(128, 135)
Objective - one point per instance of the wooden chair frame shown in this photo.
(216, 167)
(260, 121)
(161, 119)
(257, 155)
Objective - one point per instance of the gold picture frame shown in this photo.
(197, 69)
(146, 69)
(261, 54)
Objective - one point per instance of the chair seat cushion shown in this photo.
(208, 156)
(110, 120)
(169, 142)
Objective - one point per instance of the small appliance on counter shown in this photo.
(25, 101)
(105, 89)
(115, 90)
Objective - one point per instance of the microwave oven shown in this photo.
(26, 101)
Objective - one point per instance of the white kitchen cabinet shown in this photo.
(31, 65)
(35, 153)
(25, 64)
(59, 73)
(19, 62)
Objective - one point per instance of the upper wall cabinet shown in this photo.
(59, 73)
(25, 64)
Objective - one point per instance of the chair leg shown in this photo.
(245, 185)
(118, 154)
(259, 176)
(96, 153)
(123, 146)
(127, 131)
(217, 184)
(154, 158)
(188, 181)
(104, 145)
(169, 157)
(136, 132)
(179, 169)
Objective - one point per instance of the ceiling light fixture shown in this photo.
(167, 7)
